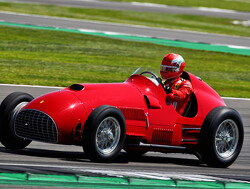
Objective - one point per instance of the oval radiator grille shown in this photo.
(35, 125)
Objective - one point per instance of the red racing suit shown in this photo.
(181, 93)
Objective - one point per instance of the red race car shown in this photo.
(134, 115)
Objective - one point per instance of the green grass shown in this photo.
(240, 5)
(172, 21)
(42, 57)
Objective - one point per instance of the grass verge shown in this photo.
(171, 21)
(240, 5)
(41, 57)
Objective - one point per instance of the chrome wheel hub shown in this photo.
(16, 111)
(226, 138)
(108, 135)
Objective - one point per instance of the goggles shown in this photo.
(165, 68)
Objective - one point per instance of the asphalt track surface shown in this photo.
(145, 7)
(241, 42)
(61, 159)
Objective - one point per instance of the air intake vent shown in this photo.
(133, 113)
(162, 136)
(35, 125)
(76, 87)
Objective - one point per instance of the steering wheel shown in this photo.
(157, 78)
(148, 72)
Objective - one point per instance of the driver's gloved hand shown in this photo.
(168, 90)
(159, 80)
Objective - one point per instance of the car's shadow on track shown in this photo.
(123, 158)
(44, 153)
(158, 159)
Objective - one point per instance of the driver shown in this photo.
(178, 89)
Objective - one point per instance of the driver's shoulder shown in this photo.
(184, 82)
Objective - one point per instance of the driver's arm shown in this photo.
(181, 93)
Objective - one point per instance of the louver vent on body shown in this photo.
(133, 113)
(162, 136)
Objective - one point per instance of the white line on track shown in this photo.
(238, 47)
(233, 98)
(148, 4)
(31, 86)
(111, 33)
(207, 9)
(216, 10)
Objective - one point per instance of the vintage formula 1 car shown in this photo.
(134, 115)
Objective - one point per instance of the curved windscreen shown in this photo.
(149, 74)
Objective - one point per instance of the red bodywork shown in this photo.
(150, 118)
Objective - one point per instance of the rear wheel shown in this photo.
(104, 134)
(9, 109)
(221, 137)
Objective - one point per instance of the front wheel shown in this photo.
(9, 108)
(221, 137)
(104, 134)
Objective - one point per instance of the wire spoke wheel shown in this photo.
(226, 138)
(221, 137)
(108, 135)
(104, 134)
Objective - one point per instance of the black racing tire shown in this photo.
(104, 134)
(9, 108)
(221, 137)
